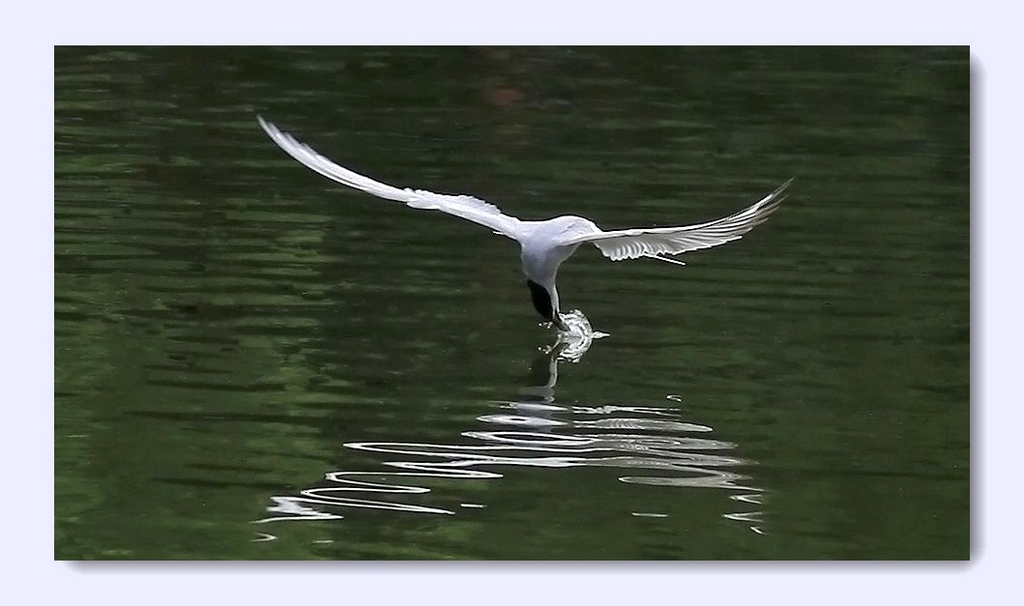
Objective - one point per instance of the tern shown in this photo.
(545, 245)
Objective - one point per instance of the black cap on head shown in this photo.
(541, 300)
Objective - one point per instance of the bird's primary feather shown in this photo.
(658, 241)
(466, 207)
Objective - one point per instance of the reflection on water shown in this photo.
(648, 445)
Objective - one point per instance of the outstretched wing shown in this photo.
(467, 207)
(654, 242)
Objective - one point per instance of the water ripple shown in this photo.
(646, 447)
(649, 445)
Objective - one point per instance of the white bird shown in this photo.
(546, 244)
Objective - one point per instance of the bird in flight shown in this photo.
(546, 244)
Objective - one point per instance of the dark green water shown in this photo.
(252, 362)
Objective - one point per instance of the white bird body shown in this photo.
(546, 244)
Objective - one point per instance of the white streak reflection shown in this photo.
(647, 445)
(658, 459)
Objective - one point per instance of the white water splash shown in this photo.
(575, 341)
(579, 326)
